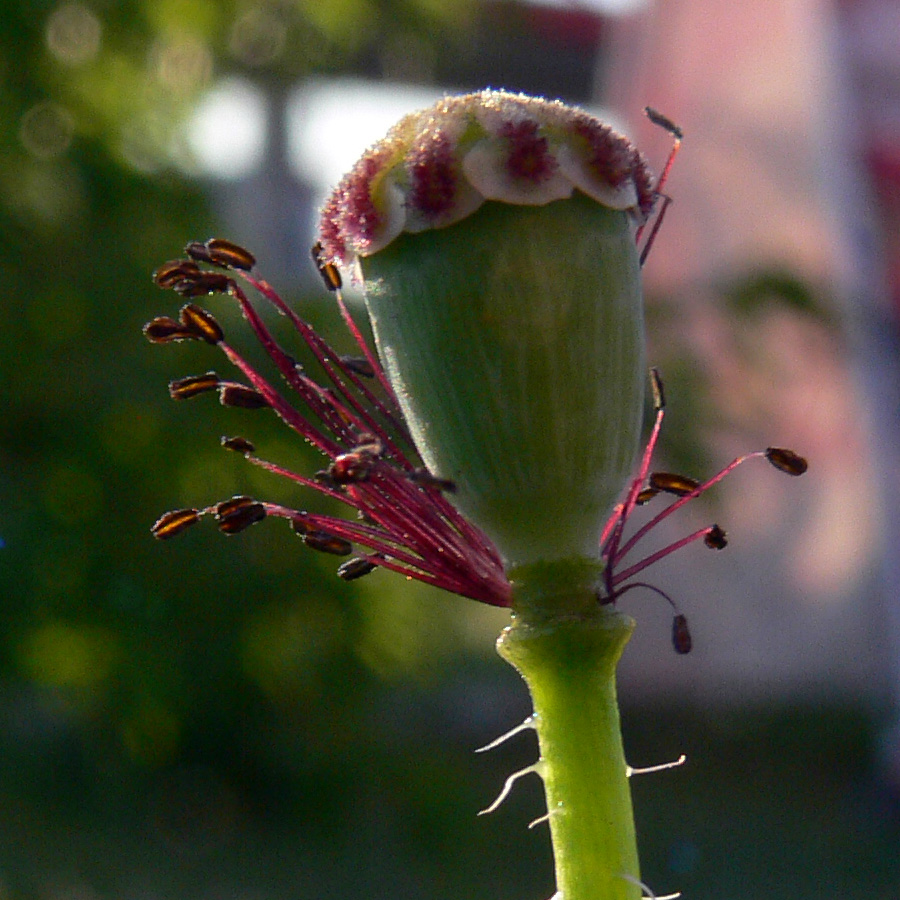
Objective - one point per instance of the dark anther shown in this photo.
(197, 251)
(786, 460)
(219, 252)
(205, 283)
(324, 477)
(229, 255)
(176, 272)
(645, 496)
(238, 513)
(174, 522)
(359, 365)
(329, 271)
(300, 526)
(163, 330)
(242, 397)
(355, 568)
(679, 485)
(368, 445)
(238, 444)
(681, 635)
(327, 543)
(321, 540)
(659, 394)
(424, 478)
(238, 502)
(350, 467)
(201, 322)
(716, 538)
(657, 118)
(185, 388)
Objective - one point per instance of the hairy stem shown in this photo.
(566, 647)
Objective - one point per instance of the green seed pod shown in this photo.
(495, 237)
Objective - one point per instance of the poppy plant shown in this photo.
(486, 445)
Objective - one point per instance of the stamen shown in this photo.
(647, 770)
(659, 391)
(185, 388)
(328, 270)
(537, 768)
(323, 541)
(361, 343)
(238, 513)
(240, 396)
(356, 568)
(174, 272)
(786, 460)
(359, 365)
(670, 483)
(657, 224)
(164, 330)
(205, 283)
(221, 252)
(716, 538)
(201, 322)
(424, 478)
(657, 118)
(612, 531)
(238, 445)
(351, 468)
(681, 636)
(171, 523)
(681, 501)
(699, 534)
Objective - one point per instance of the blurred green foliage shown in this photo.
(146, 655)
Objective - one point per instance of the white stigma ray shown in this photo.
(524, 726)
(537, 768)
(646, 770)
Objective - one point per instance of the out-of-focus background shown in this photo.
(223, 718)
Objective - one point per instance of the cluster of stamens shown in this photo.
(643, 489)
(404, 520)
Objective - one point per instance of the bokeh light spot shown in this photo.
(258, 36)
(182, 64)
(227, 134)
(69, 656)
(73, 34)
(46, 130)
(330, 122)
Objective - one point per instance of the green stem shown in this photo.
(566, 647)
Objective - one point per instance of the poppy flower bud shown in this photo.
(495, 235)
